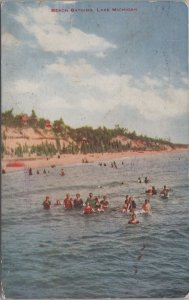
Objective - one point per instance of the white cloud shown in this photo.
(104, 91)
(75, 71)
(25, 86)
(52, 36)
(9, 40)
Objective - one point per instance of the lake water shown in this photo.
(65, 254)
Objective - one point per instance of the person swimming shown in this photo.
(58, 202)
(154, 191)
(146, 206)
(165, 191)
(62, 172)
(47, 203)
(105, 202)
(100, 208)
(78, 202)
(68, 202)
(133, 219)
(125, 206)
(97, 202)
(88, 209)
(132, 205)
(91, 200)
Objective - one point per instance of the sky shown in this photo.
(94, 66)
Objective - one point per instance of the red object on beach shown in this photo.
(15, 164)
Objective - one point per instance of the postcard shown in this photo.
(94, 149)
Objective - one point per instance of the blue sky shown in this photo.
(99, 68)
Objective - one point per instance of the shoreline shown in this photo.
(71, 159)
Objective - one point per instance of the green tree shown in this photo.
(7, 118)
(33, 121)
(41, 123)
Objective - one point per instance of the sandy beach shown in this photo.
(69, 159)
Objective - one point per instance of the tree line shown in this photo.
(84, 140)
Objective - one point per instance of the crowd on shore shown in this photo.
(93, 204)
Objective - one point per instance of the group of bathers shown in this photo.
(93, 204)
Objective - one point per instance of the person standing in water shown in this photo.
(78, 202)
(165, 191)
(68, 202)
(88, 209)
(91, 200)
(146, 206)
(133, 219)
(47, 203)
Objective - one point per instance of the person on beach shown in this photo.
(91, 200)
(133, 219)
(105, 202)
(47, 203)
(78, 202)
(44, 171)
(68, 202)
(88, 209)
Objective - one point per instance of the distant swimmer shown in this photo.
(3, 171)
(62, 173)
(139, 180)
(165, 192)
(58, 202)
(47, 203)
(30, 171)
(44, 171)
(133, 219)
(115, 165)
(78, 202)
(37, 172)
(68, 202)
(154, 191)
(151, 191)
(88, 209)
(146, 180)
